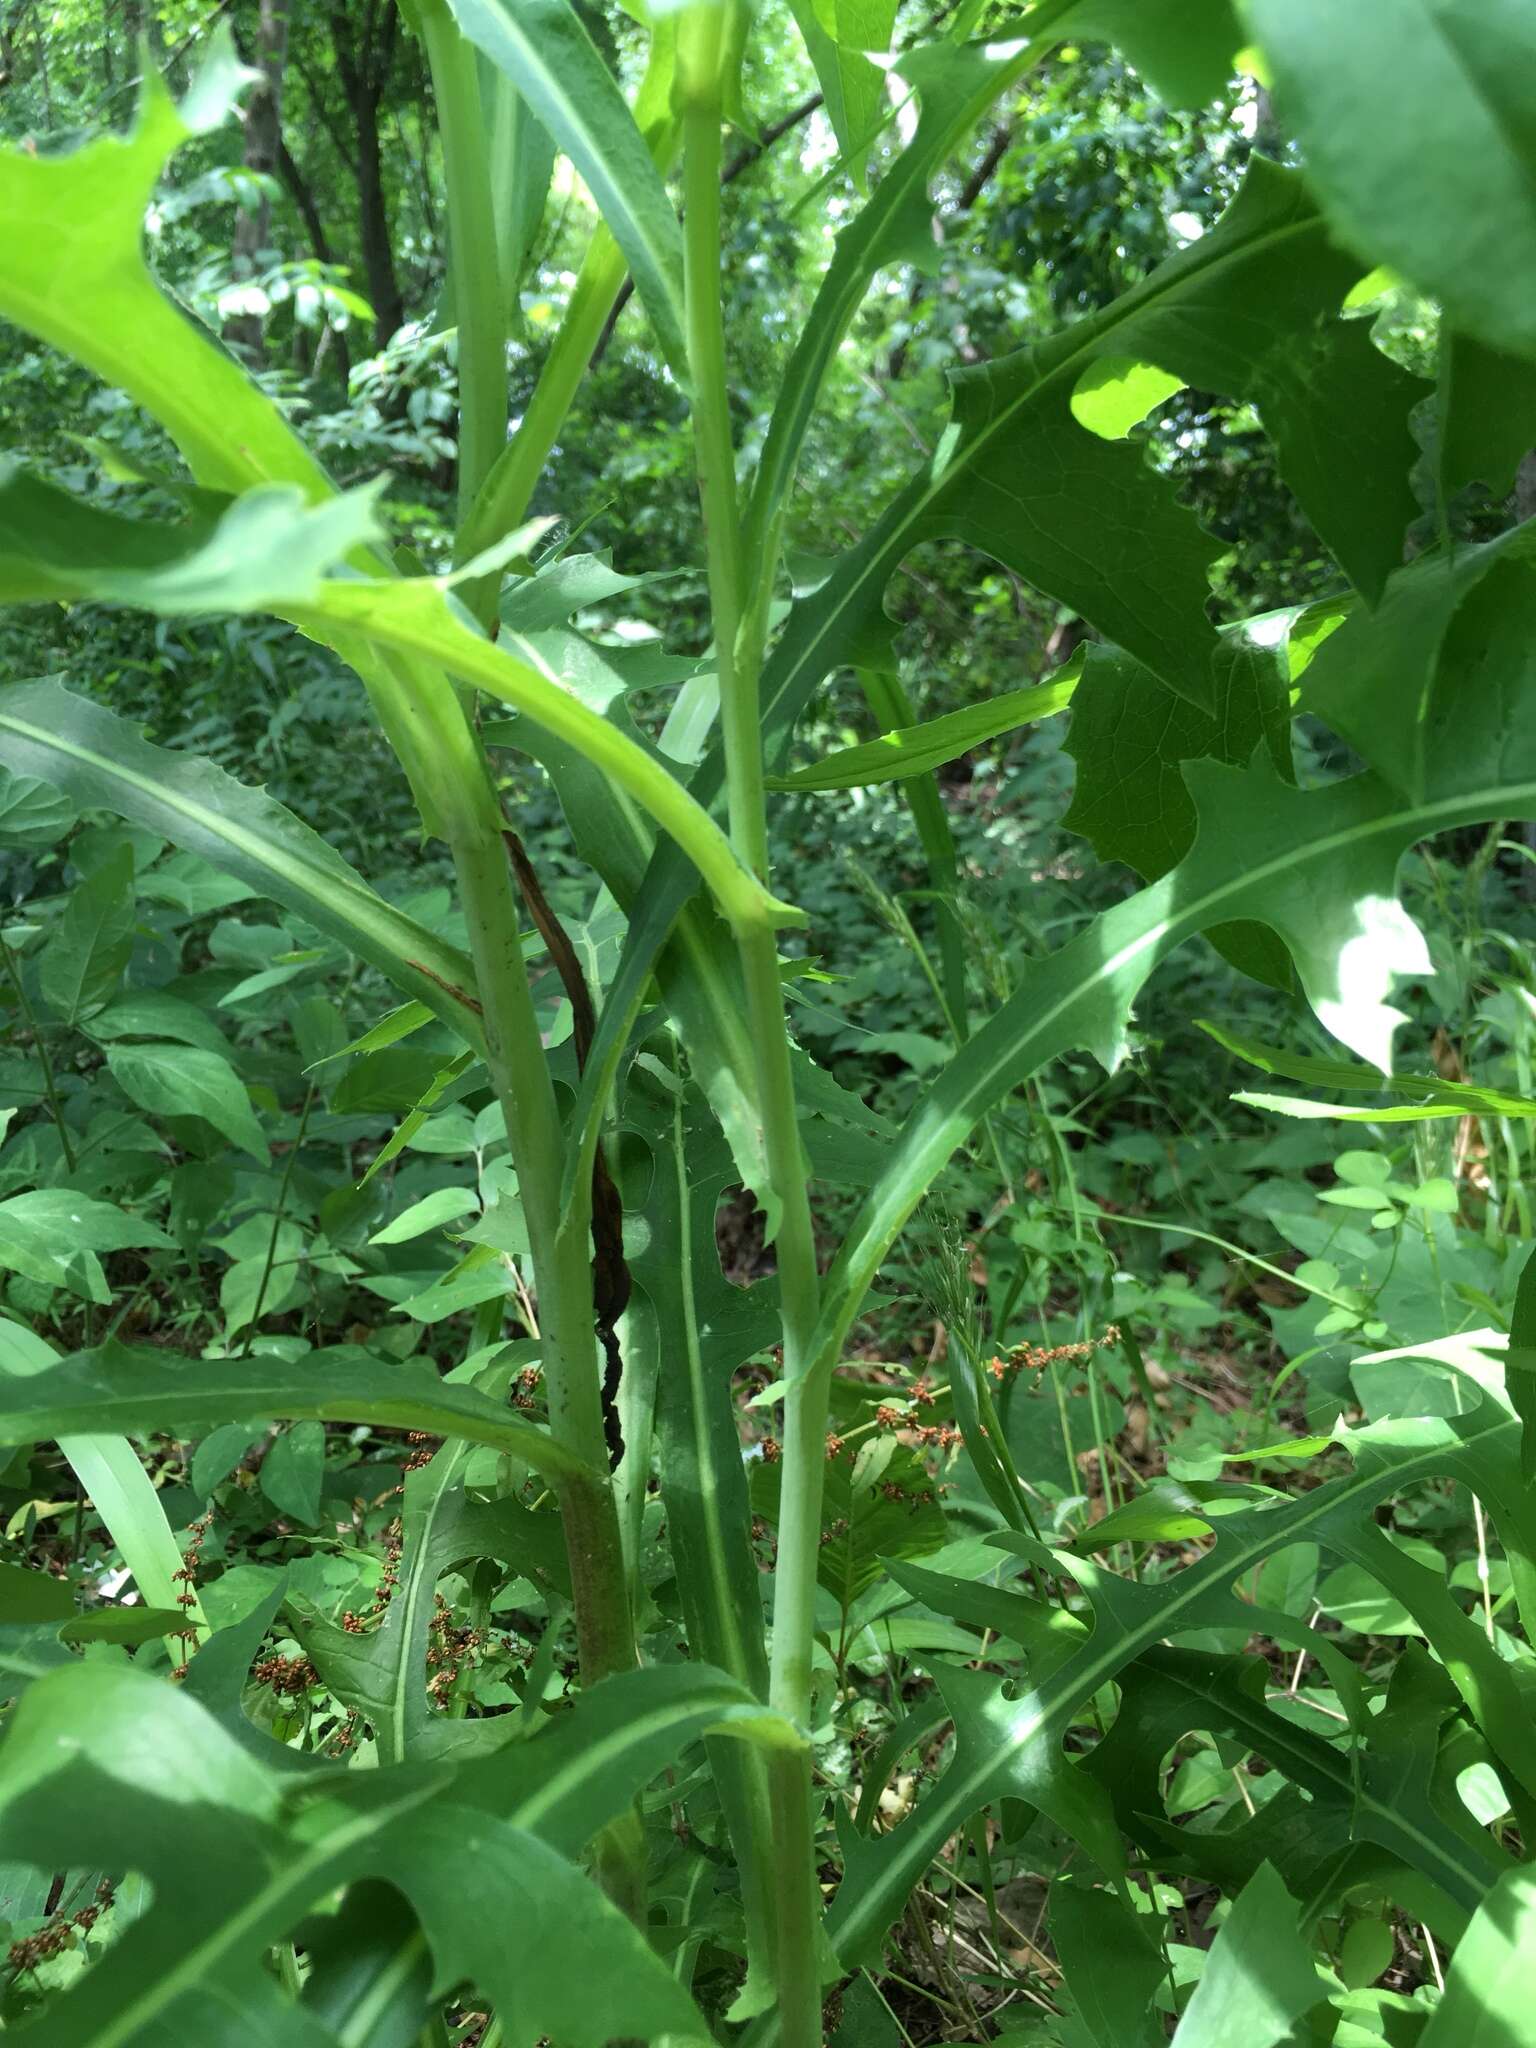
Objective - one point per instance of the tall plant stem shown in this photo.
(562, 1270)
(477, 295)
(702, 44)
(460, 789)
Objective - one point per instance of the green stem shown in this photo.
(519, 1071)
(702, 44)
(277, 1220)
(561, 1262)
(716, 461)
(477, 295)
(507, 489)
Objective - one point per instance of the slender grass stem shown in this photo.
(277, 1221)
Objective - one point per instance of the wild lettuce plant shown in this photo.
(296, 1898)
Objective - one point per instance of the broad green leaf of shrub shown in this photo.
(1414, 119)
(85, 954)
(98, 1767)
(151, 1013)
(1487, 2000)
(53, 1235)
(293, 1472)
(77, 278)
(1259, 1977)
(184, 1080)
(433, 1212)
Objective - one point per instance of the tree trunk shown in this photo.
(263, 147)
(373, 221)
(319, 241)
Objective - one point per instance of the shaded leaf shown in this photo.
(103, 761)
(184, 1080)
(1259, 1977)
(134, 1391)
(95, 1771)
(916, 749)
(1488, 1985)
(91, 944)
(1414, 119)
